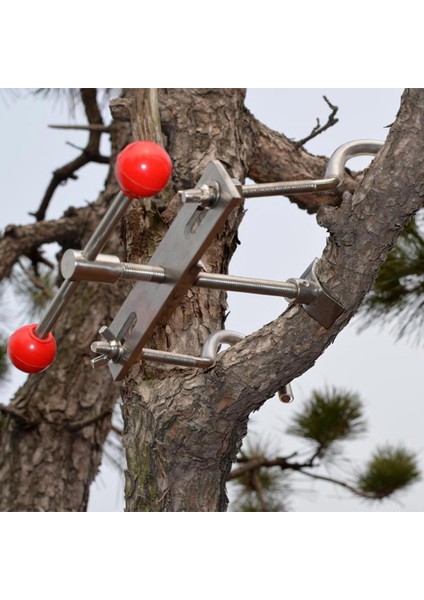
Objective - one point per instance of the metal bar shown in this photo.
(332, 178)
(118, 207)
(256, 190)
(74, 266)
(250, 285)
(172, 358)
(106, 269)
(99, 237)
(56, 308)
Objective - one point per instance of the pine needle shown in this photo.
(329, 417)
(390, 470)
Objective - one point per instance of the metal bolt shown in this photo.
(205, 195)
(108, 349)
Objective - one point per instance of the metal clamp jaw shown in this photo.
(319, 305)
(174, 268)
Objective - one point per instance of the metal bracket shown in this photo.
(320, 306)
(189, 236)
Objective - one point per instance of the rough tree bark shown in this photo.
(183, 428)
(52, 433)
(183, 431)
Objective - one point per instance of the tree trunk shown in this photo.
(183, 428)
(52, 433)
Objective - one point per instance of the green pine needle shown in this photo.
(390, 470)
(263, 489)
(252, 504)
(398, 293)
(36, 290)
(329, 417)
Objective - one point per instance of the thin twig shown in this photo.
(254, 464)
(92, 127)
(257, 463)
(339, 483)
(318, 129)
(72, 145)
(19, 240)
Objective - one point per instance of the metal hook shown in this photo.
(112, 350)
(332, 178)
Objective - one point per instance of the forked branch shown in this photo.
(318, 129)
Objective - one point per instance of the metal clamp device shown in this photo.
(143, 169)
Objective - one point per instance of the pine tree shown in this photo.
(184, 429)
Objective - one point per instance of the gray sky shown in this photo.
(277, 241)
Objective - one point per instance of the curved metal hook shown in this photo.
(339, 158)
(214, 340)
(332, 178)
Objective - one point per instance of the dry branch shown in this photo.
(91, 152)
(318, 129)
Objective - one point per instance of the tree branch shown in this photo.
(257, 463)
(318, 129)
(253, 465)
(339, 483)
(20, 240)
(362, 231)
(91, 153)
(262, 461)
(273, 157)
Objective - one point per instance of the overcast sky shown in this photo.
(278, 241)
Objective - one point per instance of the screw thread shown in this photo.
(141, 272)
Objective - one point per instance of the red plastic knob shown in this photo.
(143, 169)
(30, 353)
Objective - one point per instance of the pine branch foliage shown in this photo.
(398, 293)
(389, 470)
(329, 417)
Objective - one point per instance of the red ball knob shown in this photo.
(143, 169)
(30, 353)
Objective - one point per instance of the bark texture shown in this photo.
(183, 429)
(53, 431)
